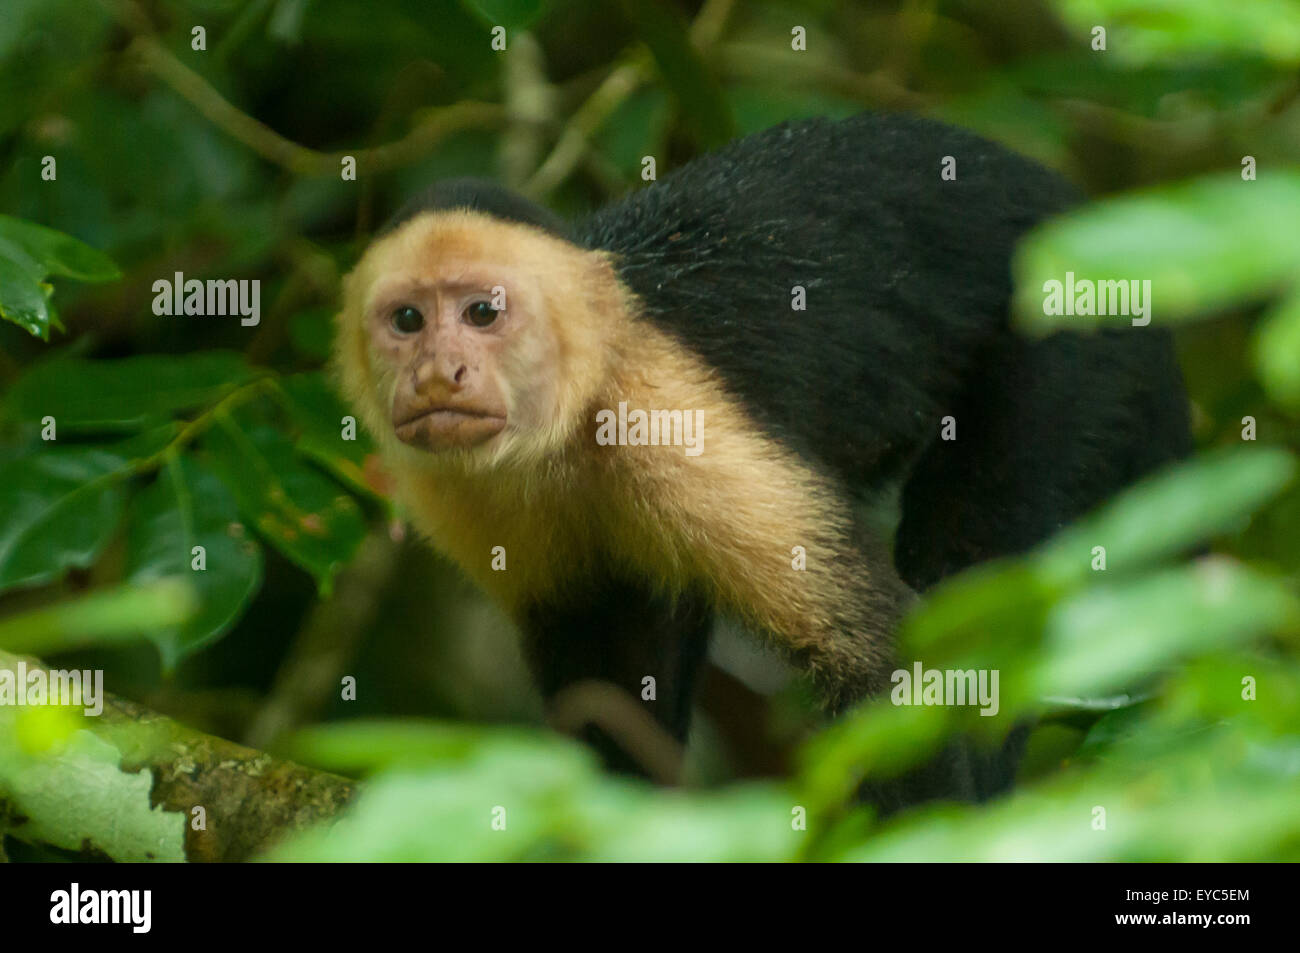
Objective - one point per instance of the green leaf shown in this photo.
(1169, 512)
(188, 506)
(877, 740)
(58, 509)
(745, 823)
(994, 607)
(138, 447)
(1214, 793)
(1143, 31)
(1111, 636)
(535, 779)
(553, 801)
(123, 613)
(298, 510)
(1239, 821)
(24, 300)
(1277, 352)
(318, 414)
(1213, 687)
(58, 254)
(366, 746)
(129, 394)
(29, 254)
(1112, 729)
(1203, 245)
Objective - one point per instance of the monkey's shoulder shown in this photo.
(818, 183)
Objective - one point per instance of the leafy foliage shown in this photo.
(29, 254)
(211, 461)
(1146, 30)
(194, 483)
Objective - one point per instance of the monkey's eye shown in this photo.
(406, 320)
(480, 314)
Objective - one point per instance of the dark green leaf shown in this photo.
(57, 511)
(1110, 729)
(296, 508)
(318, 414)
(91, 396)
(24, 300)
(188, 506)
(31, 253)
(58, 254)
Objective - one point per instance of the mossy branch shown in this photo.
(124, 786)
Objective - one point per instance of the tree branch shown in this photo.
(124, 785)
(436, 125)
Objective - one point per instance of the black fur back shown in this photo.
(908, 286)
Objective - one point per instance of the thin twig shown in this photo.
(571, 149)
(757, 61)
(530, 98)
(585, 122)
(436, 124)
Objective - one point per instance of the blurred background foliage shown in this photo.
(1166, 688)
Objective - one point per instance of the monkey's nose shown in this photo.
(424, 373)
(449, 374)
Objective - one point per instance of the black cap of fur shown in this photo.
(479, 195)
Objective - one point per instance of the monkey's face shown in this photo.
(444, 336)
(467, 328)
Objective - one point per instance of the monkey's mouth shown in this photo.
(442, 428)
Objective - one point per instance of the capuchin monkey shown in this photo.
(673, 407)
